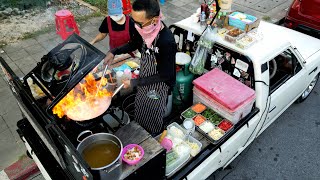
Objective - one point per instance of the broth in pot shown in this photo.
(101, 153)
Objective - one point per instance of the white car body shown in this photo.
(275, 40)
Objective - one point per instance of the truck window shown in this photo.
(282, 68)
(233, 63)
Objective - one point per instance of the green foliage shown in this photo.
(101, 4)
(266, 18)
(24, 4)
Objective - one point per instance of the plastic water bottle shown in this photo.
(203, 19)
(127, 75)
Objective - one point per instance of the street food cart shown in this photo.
(53, 139)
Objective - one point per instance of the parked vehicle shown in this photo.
(282, 67)
(304, 16)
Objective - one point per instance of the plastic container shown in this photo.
(177, 164)
(215, 118)
(255, 34)
(207, 126)
(189, 125)
(199, 119)
(241, 24)
(191, 139)
(225, 125)
(224, 94)
(166, 143)
(130, 146)
(174, 134)
(200, 107)
(216, 138)
(183, 114)
(231, 37)
(245, 42)
(233, 116)
(225, 5)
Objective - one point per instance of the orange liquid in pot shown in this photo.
(100, 153)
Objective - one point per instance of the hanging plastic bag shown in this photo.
(205, 43)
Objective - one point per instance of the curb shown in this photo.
(20, 170)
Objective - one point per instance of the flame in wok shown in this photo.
(85, 101)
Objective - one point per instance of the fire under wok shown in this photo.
(89, 99)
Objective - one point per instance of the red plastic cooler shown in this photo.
(228, 96)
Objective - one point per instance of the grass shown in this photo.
(29, 35)
(266, 18)
(101, 4)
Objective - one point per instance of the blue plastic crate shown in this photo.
(239, 23)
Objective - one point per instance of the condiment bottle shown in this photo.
(119, 77)
(127, 74)
(135, 74)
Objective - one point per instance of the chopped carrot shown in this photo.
(199, 120)
(198, 108)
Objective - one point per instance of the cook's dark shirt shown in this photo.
(116, 27)
(165, 58)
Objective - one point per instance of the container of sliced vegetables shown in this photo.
(198, 107)
(189, 113)
(194, 145)
(212, 116)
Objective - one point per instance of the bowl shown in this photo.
(130, 146)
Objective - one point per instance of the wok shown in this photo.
(86, 110)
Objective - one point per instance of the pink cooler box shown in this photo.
(221, 92)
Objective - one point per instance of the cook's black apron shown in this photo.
(149, 111)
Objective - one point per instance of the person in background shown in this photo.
(157, 65)
(120, 27)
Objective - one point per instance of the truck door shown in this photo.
(286, 82)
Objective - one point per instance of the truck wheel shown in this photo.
(308, 90)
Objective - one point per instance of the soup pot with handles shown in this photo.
(112, 170)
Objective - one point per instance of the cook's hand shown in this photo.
(126, 83)
(108, 59)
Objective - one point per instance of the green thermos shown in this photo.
(182, 92)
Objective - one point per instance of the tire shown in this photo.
(308, 90)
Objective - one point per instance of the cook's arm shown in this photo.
(98, 38)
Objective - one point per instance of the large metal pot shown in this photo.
(109, 171)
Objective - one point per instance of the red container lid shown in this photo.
(224, 89)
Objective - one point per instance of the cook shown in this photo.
(157, 69)
(119, 26)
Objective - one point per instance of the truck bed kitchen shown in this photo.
(52, 143)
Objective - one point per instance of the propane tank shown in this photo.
(182, 92)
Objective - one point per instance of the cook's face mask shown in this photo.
(116, 18)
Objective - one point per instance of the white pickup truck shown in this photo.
(284, 69)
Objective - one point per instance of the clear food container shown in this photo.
(199, 107)
(188, 113)
(174, 165)
(245, 42)
(207, 126)
(233, 35)
(194, 151)
(175, 130)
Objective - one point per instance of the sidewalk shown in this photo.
(22, 57)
